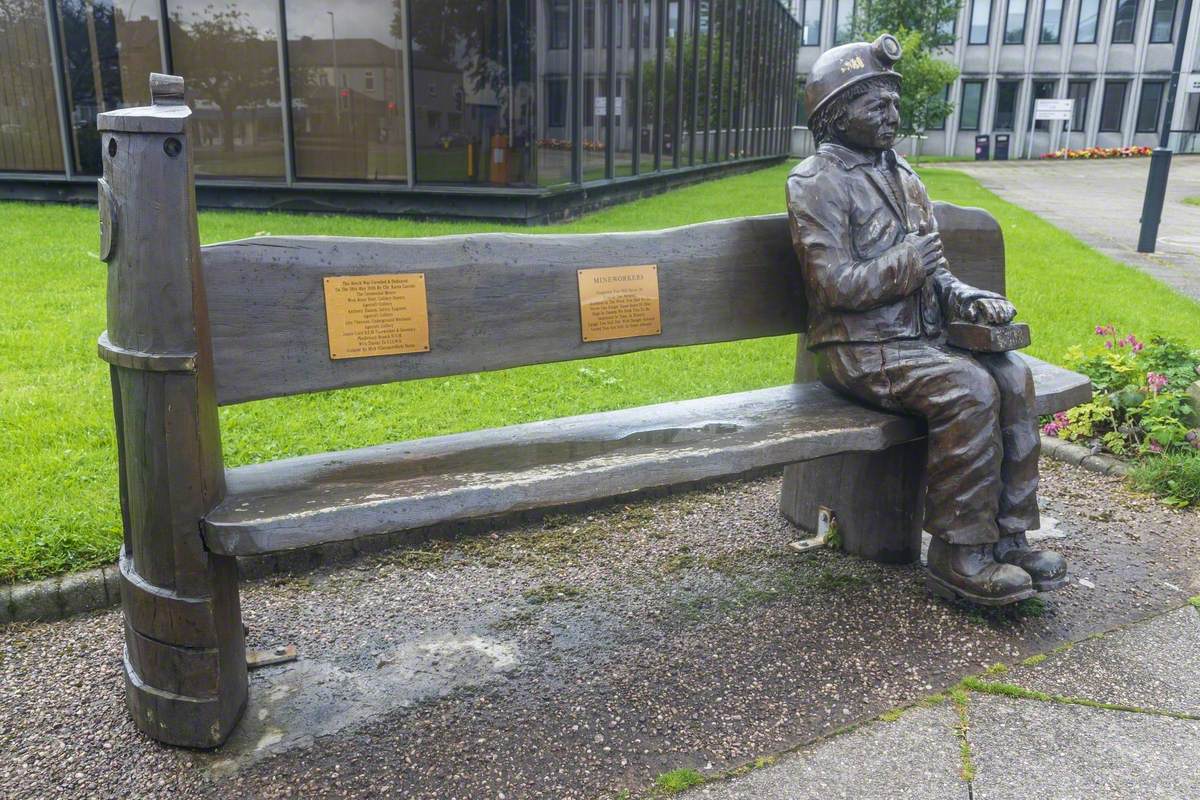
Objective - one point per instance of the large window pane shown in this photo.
(473, 106)
(1125, 21)
(1150, 106)
(110, 49)
(348, 90)
(228, 54)
(981, 15)
(596, 102)
(554, 119)
(1014, 24)
(1042, 90)
(649, 78)
(1089, 14)
(972, 105)
(1051, 21)
(1079, 91)
(1006, 105)
(670, 95)
(811, 21)
(1112, 109)
(30, 139)
(625, 134)
(1162, 23)
(843, 17)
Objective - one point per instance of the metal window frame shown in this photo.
(1124, 83)
(1112, 38)
(1171, 30)
(987, 32)
(1042, 27)
(1019, 82)
(636, 95)
(1008, 14)
(1158, 110)
(58, 76)
(694, 77)
(1096, 27)
(285, 96)
(660, 81)
(962, 103)
(576, 91)
(804, 22)
(1087, 97)
(610, 126)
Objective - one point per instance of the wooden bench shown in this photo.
(192, 328)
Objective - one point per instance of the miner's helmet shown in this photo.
(843, 66)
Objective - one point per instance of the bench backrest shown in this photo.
(501, 300)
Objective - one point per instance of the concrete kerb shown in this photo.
(77, 593)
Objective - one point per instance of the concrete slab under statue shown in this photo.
(193, 328)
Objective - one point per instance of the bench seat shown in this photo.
(300, 502)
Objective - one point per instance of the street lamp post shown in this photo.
(1160, 159)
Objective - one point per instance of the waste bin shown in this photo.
(1002, 146)
(983, 146)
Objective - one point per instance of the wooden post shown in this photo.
(185, 661)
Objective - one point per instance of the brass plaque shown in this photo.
(619, 302)
(376, 315)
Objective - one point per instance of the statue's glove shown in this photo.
(990, 310)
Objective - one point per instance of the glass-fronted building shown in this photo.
(520, 109)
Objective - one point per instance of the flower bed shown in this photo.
(1136, 151)
(1141, 407)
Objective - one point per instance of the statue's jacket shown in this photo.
(862, 280)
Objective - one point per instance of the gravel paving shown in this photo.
(576, 657)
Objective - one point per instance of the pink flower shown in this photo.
(1156, 381)
(1108, 344)
(1155, 447)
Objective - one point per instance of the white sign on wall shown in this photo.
(600, 106)
(1053, 109)
(1192, 83)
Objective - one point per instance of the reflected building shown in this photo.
(512, 109)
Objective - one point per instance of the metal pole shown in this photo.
(1160, 159)
(337, 98)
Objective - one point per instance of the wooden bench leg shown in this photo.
(877, 500)
(184, 658)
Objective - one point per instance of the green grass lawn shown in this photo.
(58, 503)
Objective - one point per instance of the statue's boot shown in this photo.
(971, 572)
(1047, 568)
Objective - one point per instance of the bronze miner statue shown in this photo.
(881, 300)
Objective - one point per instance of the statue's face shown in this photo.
(871, 119)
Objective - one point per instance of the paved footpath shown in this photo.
(580, 657)
(1116, 716)
(1100, 203)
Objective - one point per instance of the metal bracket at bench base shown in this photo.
(149, 362)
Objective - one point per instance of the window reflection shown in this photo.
(109, 50)
(346, 71)
(624, 132)
(229, 57)
(596, 100)
(554, 120)
(29, 134)
(648, 135)
(473, 106)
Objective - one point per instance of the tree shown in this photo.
(923, 27)
(933, 19)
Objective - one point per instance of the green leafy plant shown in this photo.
(1140, 405)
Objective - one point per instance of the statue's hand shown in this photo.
(929, 247)
(991, 310)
